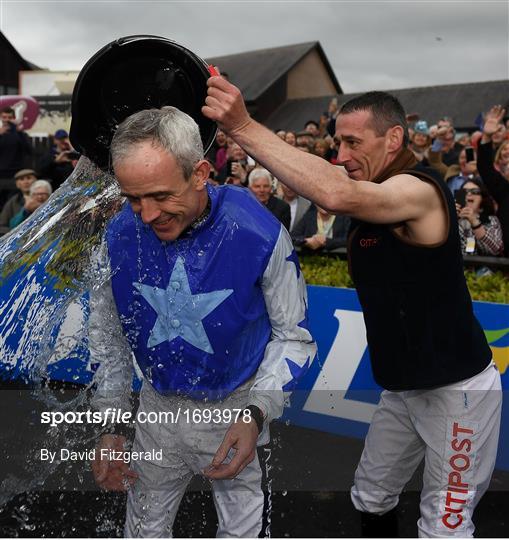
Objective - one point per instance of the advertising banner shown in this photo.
(338, 394)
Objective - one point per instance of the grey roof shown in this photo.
(4, 42)
(255, 71)
(462, 102)
(32, 66)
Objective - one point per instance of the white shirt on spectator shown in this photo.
(293, 211)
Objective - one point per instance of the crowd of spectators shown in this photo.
(475, 167)
(22, 188)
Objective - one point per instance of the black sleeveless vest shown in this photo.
(420, 324)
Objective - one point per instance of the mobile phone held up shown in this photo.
(460, 196)
(229, 168)
(469, 154)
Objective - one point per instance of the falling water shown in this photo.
(45, 273)
(44, 266)
(266, 460)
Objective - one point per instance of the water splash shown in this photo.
(44, 264)
(45, 272)
(268, 513)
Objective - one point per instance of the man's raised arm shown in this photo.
(402, 199)
(309, 175)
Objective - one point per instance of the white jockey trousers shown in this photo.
(188, 448)
(455, 429)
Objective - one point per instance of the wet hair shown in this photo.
(171, 129)
(487, 204)
(259, 173)
(386, 112)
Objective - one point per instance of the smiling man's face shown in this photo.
(156, 188)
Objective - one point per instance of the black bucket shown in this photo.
(131, 74)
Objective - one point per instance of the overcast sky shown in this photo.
(370, 45)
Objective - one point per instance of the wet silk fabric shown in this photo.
(193, 310)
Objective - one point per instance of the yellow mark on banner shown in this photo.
(501, 358)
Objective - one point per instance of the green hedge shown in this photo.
(333, 272)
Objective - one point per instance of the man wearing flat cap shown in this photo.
(24, 180)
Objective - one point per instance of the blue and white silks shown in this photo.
(206, 313)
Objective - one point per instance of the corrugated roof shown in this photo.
(255, 71)
(462, 102)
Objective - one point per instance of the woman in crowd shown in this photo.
(24, 180)
(420, 141)
(480, 230)
(501, 160)
(318, 230)
(291, 138)
(220, 157)
(322, 148)
(236, 167)
(495, 171)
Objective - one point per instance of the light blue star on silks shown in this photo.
(296, 371)
(294, 259)
(179, 312)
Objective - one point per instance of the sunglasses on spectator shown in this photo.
(472, 191)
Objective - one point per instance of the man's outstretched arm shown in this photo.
(404, 198)
(311, 176)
